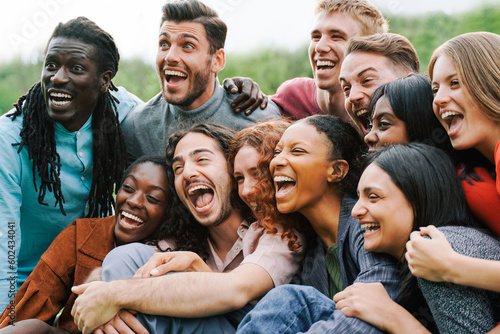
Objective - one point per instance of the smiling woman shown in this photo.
(418, 184)
(142, 208)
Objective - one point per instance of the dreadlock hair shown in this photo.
(108, 145)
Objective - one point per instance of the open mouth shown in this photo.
(130, 221)
(201, 197)
(324, 65)
(60, 99)
(363, 118)
(453, 121)
(175, 77)
(284, 185)
(370, 228)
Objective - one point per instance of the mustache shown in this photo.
(60, 87)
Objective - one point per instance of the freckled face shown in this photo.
(384, 212)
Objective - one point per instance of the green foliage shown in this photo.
(269, 67)
(426, 32)
(138, 78)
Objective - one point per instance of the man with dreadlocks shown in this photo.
(61, 149)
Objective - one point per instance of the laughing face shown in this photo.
(384, 212)
(202, 181)
(300, 168)
(71, 85)
(386, 128)
(460, 115)
(361, 74)
(328, 43)
(184, 65)
(141, 203)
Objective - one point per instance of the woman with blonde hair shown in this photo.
(465, 75)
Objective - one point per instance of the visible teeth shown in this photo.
(61, 95)
(192, 190)
(60, 103)
(449, 114)
(361, 112)
(324, 63)
(283, 179)
(131, 216)
(369, 225)
(176, 73)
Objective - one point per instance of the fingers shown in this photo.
(79, 289)
(229, 86)
(132, 323)
(156, 260)
(432, 232)
(263, 105)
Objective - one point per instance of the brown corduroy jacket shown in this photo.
(74, 253)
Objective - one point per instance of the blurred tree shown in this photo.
(268, 67)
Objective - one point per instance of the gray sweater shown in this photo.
(147, 127)
(461, 309)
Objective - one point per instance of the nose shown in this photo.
(358, 210)
(355, 94)
(247, 189)
(442, 97)
(189, 171)
(172, 56)
(135, 200)
(322, 45)
(371, 138)
(279, 160)
(61, 76)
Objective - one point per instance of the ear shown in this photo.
(337, 171)
(218, 60)
(104, 81)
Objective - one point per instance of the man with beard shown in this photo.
(190, 53)
(244, 261)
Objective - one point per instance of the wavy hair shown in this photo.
(263, 137)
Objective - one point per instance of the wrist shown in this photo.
(450, 274)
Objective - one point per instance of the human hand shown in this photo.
(124, 322)
(429, 258)
(162, 263)
(95, 306)
(366, 301)
(251, 96)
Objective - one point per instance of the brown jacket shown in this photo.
(74, 253)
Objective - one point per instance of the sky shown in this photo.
(26, 25)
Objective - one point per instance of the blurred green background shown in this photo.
(268, 67)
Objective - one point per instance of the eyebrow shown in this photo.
(370, 188)
(153, 186)
(382, 114)
(184, 35)
(193, 153)
(447, 78)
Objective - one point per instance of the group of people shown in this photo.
(363, 200)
